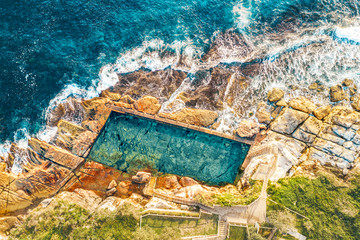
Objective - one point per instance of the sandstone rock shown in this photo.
(326, 159)
(263, 113)
(6, 223)
(301, 135)
(124, 188)
(288, 121)
(313, 86)
(347, 82)
(247, 128)
(337, 93)
(275, 94)
(199, 117)
(157, 203)
(356, 138)
(148, 104)
(124, 105)
(96, 113)
(3, 166)
(281, 103)
(141, 177)
(74, 138)
(168, 182)
(160, 83)
(111, 192)
(187, 182)
(334, 149)
(55, 154)
(327, 134)
(346, 133)
(312, 125)
(322, 112)
(191, 192)
(343, 116)
(112, 184)
(81, 197)
(111, 95)
(70, 110)
(356, 102)
(302, 104)
(127, 99)
(353, 90)
(115, 204)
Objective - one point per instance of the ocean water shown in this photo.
(54, 49)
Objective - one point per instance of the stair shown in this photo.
(222, 228)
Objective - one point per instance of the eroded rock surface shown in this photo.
(199, 117)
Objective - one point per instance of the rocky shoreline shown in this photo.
(307, 135)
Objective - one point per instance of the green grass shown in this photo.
(206, 225)
(238, 233)
(243, 197)
(333, 208)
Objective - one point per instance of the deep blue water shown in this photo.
(48, 45)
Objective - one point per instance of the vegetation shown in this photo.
(62, 220)
(206, 225)
(331, 204)
(244, 197)
(238, 233)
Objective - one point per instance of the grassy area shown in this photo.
(238, 233)
(69, 221)
(235, 197)
(331, 204)
(206, 225)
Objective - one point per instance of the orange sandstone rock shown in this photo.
(199, 117)
(148, 104)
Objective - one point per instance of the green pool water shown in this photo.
(131, 143)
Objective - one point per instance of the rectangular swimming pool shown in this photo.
(131, 143)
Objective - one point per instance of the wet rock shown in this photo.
(302, 104)
(263, 113)
(148, 104)
(229, 44)
(161, 83)
(313, 86)
(187, 182)
(337, 93)
(247, 129)
(168, 182)
(288, 121)
(322, 112)
(199, 117)
(275, 94)
(347, 82)
(6, 223)
(353, 90)
(70, 110)
(141, 177)
(110, 95)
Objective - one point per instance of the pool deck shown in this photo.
(178, 124)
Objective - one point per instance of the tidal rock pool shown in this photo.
(131, 143)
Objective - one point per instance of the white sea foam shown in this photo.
(349, 33)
